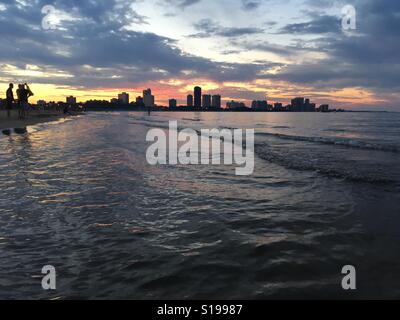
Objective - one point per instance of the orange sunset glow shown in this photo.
(95, 54)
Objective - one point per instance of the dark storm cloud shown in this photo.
(335, 74)
(96, 49)
(321, 24)
(366, 57)
(208, 28)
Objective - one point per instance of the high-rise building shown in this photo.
(235, 105)
(216, 101)
(197, 97)
(309, 107)
(71, 100)
(297, 104)
(324, 108)
(261, 105)
(278, 106)
(123, 98)
(172, 103)
(139, 102)
(148, 98)
(189, 102)
(206, 101)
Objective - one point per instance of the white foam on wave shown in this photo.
(351, 143)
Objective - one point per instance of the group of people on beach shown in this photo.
(22, 101)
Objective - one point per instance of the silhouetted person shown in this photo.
(29, 94)
(19, 96)
(24, 93)
(9, 99)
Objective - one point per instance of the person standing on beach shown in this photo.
(9, 99)
(19, 96)
(27, 94)
(24, 93)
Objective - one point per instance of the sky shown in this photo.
(242, 49)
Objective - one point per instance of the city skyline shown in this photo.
(128, 97)
(99, 49)
(200, 102)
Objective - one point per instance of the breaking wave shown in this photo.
(350, 143)
(301, 163)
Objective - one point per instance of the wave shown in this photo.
(357, 144)
(190, 119)
(281, 127)
(335, 130)
(265, 152)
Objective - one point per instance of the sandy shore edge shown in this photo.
(35, 117)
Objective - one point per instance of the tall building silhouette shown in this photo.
(297, 104)
(172, 103)
(235, 105)
(197, 97)
(148, 98)
(206, 101)
(260, 105)
(139, 102)
(216, 101)
(123, 98)
(189, 102)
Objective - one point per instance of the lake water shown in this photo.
(79, 195)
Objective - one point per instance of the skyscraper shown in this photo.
(216, 101)
(324, 108)
(297, 104)
(278, 106)
(123, 98)
(148, 98)
(206, 101)
(235, 105)
(189, 100)
(197, 97)
(139, 102)
(172, 103)
(260, 105)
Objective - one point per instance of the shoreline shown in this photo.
(35, 117)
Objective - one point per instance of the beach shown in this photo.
(35, 117)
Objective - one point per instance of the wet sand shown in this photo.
(35, 117)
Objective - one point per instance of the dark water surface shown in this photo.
(79, 195)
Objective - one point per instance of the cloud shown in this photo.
(208, 28)
(182, 4)
(98, 46)
(365, 58)
(250, 4)
(319, 25)
(100, 52)
(187, 3)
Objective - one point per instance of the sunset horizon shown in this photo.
(97, 50)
